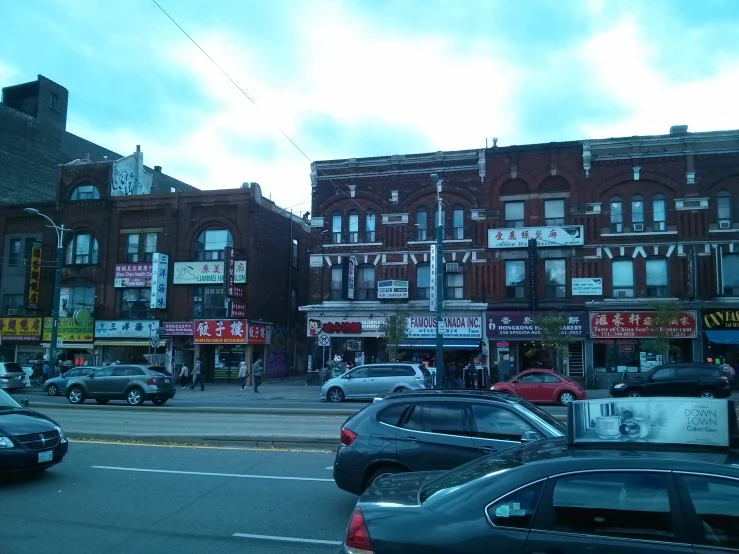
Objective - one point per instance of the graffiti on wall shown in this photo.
(282, 349)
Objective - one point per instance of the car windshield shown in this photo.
(486, 466)
(6, 401)
(541, 414)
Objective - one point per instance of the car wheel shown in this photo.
(76, 395)
(634, 394)
(566, 397)
(102, 400)
(381, 472)
(707, 394)
(336, 395)
(135, 396)
(159, 401)
(52, 390)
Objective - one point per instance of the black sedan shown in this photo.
(29, 441)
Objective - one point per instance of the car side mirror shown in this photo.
(91, 376)
(24, 402)
(530, 436)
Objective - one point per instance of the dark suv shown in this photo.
(433, 430)
(688, 379)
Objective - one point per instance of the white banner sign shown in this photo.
(453, 326)
(392, 289)
(159, 277)
(240, 272)
(432, 278)
(126, 329)
(587, 286)
(544, 236)
(197, 273)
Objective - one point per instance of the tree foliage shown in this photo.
(395, 331)
(666, 314)
(554, 339)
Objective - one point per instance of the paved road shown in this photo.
(181, 500)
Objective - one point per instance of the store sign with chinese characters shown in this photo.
(178, 328)
(34, 277)
(236, 308)
(641, 325)
(70, 330)
(219, 331)
(159, 277)
(126, 329)
(257, 333)
(520, 325)
(545, 236)
(13, 329)
(132, 275)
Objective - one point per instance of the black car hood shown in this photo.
(24, 422)
(400, 489)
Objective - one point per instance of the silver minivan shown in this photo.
(12, 376)
(367, 381)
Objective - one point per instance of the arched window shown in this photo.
(443, 222)
(82, 249)
(370, 226)
(723, 205)
(211, 244)
(353, 226)
(617, 215)
(423, 281)
(336, 227)
(85, 192)
(458, 222)
(637, 213)
(659, 212)
(623, 278)
(422, 223)
(76, 295)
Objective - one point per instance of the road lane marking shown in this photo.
(211, 474)
(286, 539)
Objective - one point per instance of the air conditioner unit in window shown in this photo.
(453, 267)
(637, 227)
(12, 311)
(724, 224)
(621, 294)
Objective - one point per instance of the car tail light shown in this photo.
(347, 436)
(151, 381)
(358, 537)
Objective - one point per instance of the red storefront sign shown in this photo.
(257, 334)
(178, 328)
(640, 325)
(219, 331)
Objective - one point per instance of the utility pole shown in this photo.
(439, 276)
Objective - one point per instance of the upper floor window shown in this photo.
(657, 277)
(554, 212)
(53, 102)
(370, 226)
(336, 227)
(659, 212)
(617, 215)
(440, 216)
(353, 226)
(453, 286)
(458, 222)
(421, 224)
(337, 278)
(294, 253)
(723, 204)
(423, 281)
(515, 274)
(141, 247)
(208, 302)
(13, 304)
(514, 214)
(623, 278)
(77, 295)
(365, 283)
(135, 303)
(212, 243)
(85, 192)
(730, 273)
(556, 278)
(82, 249)
(14, 259)
(637, 213)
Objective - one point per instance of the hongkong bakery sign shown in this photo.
(521, 325)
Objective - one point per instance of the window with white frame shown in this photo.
(336, 227)
(514, 214)
(637, 213)
(458, 223)
(554, 212)
(85, 192)
(556, 278)
(515, 275)
(423, 281)
(370, 226)
(365, 283)
(623, 278)
(453, 286)
(140, 247)
(135, 303)
(443, 223)
(657, 277)
(337, 278)
(82, 249)
(209, 302)
(730, 273)
(353, 226)
(659, 213)
(212, 243)
(723, 207)
(421, 224)
(617, 215)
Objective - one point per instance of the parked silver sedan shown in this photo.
(133, 383)
(368, 381)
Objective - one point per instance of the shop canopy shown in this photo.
(724, 337)
(449, 344)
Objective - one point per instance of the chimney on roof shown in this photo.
(495, 142)
(138, 148)
(678, 129)
(158, 168)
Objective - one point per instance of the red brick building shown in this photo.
(622, 224)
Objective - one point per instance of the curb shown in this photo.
(287, 442)
(212, 410)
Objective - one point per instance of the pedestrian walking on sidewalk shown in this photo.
(197, 375)
(256, 371)
(184, 374)
(243, 374)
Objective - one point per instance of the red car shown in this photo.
(542, 386)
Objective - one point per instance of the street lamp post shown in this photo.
(439, 276)
(57, 286)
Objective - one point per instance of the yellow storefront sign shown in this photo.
(69, 330)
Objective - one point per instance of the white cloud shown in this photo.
(624, 71)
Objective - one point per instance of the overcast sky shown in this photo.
(369, 78)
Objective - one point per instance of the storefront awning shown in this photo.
(70, 346)
(723, 337)
(449, 344)
(121, 342)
